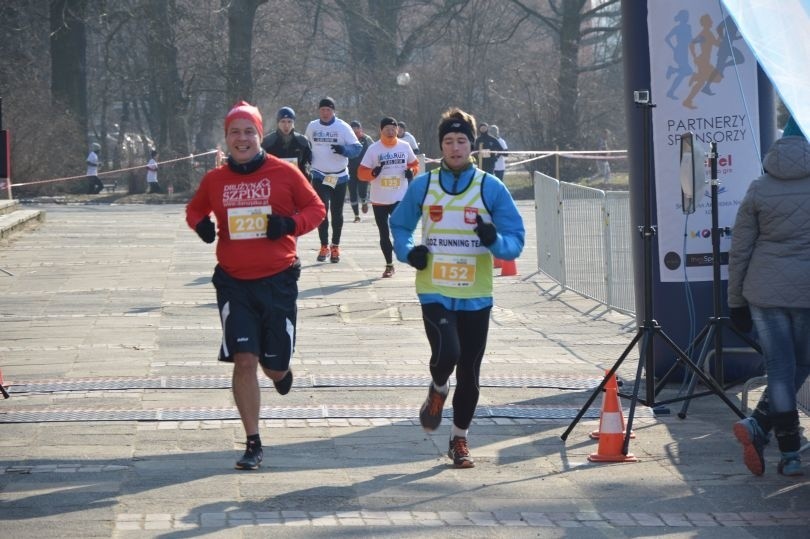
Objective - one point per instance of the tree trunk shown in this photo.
(241, 14)
(68, 58)
(568, 78)
(168, 103)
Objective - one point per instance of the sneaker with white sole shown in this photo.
(459, 453)
(430, 415)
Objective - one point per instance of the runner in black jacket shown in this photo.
(286, 144)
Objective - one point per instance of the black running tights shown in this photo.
(457, 341)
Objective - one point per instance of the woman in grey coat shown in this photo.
(769, 285)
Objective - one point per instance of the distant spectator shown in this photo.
(603, 167)
(151, 174)
(94, 185)
(500, 162)
(488, 149)
(402, 132)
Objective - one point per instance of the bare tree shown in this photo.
(241, 16)
(573, 21)
(165, 71)
(168, 99)
(68, 60)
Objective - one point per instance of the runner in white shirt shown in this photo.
(407, 137)
(389, 164)
(333, 144)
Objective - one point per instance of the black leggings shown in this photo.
(381, 215)
(333, 199)
(358, 193)
(457, 341)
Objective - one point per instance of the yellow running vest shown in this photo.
(459, 266)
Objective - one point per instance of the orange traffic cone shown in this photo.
(3, 387)
(611, 427)
(496, 262)
(614, 384)
(508, 268)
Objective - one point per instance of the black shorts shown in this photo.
(258, 316)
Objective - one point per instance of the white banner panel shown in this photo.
(704, 80)
(777, 33)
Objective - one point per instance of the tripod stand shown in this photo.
(713, 330)
(650, 328)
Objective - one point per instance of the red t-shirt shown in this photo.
(241, 204)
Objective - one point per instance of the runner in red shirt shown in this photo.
(261, 204)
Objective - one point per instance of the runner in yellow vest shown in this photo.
(467, 217)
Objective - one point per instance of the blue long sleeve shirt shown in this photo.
(499, 203)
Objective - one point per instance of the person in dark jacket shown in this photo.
(358, 190)
(488, 148)
(288, 145)
(769, 289)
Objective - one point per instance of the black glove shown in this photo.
(408, 174)
(486, 231)
(206, 230)
(741, 318)
(279, 225)
(376, 170)
(295, 269)
(337, 148)
(418, 257)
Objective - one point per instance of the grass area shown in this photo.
(521, 186)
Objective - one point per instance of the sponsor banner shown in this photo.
(703, 79)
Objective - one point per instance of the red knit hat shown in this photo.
(247, 111)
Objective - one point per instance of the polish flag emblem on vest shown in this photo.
(436, 213)
(470, 214)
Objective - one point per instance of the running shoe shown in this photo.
(389, 271)
(790, 464)
(323, 253)
(356, 218)
(430, 415)
(334, 254)
(283, 386)
(750, 435)
(252, 457)
(364, 207)
(459, 453)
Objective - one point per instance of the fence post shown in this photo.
(608, 261)
(557, 162)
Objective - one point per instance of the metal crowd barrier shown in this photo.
(584, 245)
(583, 241)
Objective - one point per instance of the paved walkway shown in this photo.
(121, 423)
